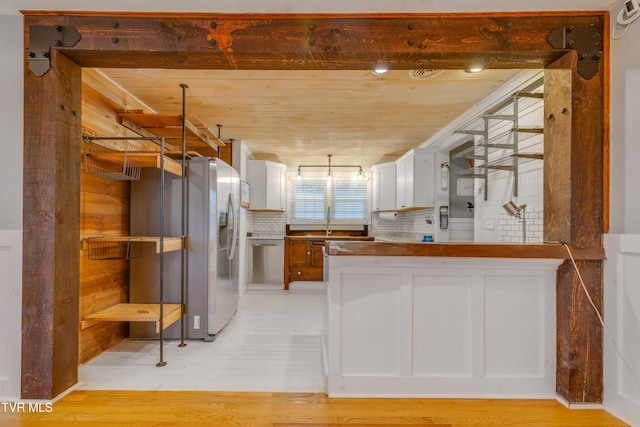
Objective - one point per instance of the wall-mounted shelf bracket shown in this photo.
(587, 41)
(42, 38)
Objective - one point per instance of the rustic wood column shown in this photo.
(574, 213)
(50, 282)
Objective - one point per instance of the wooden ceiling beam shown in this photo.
(328, 42)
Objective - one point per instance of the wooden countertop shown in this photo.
(324, 237)
(467, 250)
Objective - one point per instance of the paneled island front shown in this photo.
(441, 320)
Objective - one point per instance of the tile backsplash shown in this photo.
(510, 228)
(266, 223)
(409, 226)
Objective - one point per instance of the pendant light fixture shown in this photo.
(330, 169)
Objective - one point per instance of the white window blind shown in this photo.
(349, 201)
(309, 200)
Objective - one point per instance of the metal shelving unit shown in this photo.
(506, 135)
(125, 164)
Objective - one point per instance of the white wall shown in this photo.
(10, 313)
(11, 70)
(625, 130)
(622, 317)
(240, 155)
(622, 247)
(11, 109)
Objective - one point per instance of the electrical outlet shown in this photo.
(196, 322)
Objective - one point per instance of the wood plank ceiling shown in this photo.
(302, 116)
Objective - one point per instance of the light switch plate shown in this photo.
(488, 223)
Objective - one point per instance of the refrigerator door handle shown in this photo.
(232, 230)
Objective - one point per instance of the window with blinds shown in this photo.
(309, 200)
(347, 199)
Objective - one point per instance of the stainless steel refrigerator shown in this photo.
(211, 279)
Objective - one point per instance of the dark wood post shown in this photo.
(574, 213)
(50, 282)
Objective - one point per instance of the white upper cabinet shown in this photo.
(267, 183)
(415, 180)
(384, 187)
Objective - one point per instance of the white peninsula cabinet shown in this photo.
(415, 180)
(431, 326)
(267, 183)
(384, 187)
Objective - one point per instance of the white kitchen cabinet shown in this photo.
(267, 183)
(384, 187)
(415, 180)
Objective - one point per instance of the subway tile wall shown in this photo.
(266, 223)
(409, 226)
(510, 228)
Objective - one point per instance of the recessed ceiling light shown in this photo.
(474, 70)
(380, 68)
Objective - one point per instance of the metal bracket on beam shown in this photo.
(42, 38)
(588, 43)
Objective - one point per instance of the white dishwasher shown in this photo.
(267, 260)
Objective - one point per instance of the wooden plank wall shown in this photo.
(104, 211)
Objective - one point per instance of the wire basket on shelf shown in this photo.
(99, 249)
(111, 164)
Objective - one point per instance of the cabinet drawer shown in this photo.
(305, 274)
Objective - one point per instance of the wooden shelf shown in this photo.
(198, 137)
(136, 313)
(177, 155)
(170, 243)
(146, 159)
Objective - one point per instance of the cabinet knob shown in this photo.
(299, 273)
(308, 253)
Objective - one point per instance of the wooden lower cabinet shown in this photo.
(304, 259)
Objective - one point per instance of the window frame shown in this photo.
(329, 202)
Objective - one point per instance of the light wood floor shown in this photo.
(272, 344)
(161, 408)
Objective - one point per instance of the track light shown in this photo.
(517, 212)
(513, 209)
